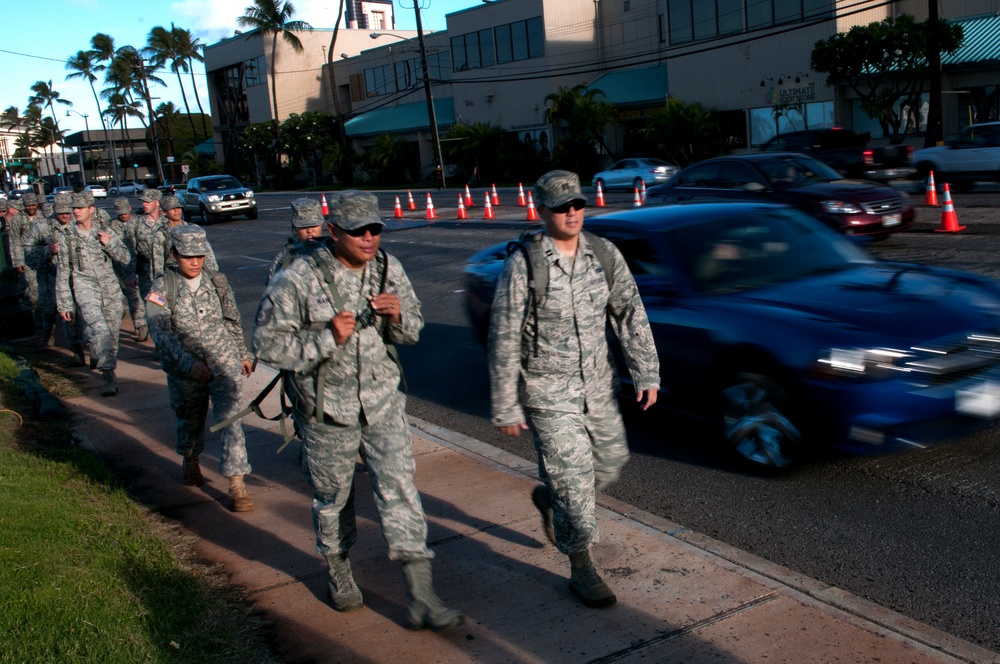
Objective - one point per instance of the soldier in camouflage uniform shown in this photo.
(40, 253)
(20, 226)
(136, 308)
(86, 281)
(307, 228)
(325, 320)
(550, 369)
(139, 240)
(196, 326)
(173, 216)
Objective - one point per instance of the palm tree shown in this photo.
(190, 48)
(46, 95)
(162, 49)
(166, 117)
(273, 17)
(85, 65)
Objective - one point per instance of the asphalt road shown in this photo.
(915, 532)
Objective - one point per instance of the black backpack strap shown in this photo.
(254, 407)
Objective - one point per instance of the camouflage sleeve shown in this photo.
(16, 239)
(64, 291)
(160, 248)
(116, 249)
(628, 318)
(234, 327)
(408, 329)
(159, 317)
(210, 261)
(292, 326)
(36, 250)
(510, 310)
(128, 237)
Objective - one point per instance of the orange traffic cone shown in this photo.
(326, 208)
(461, 208)
(642, 191)
(430, 209)
(930, 198)
(532, 213)
(411, 204)
(637, 202)
(494, 199)
(488, 208)
(468, 198)
(600, 196)
(398, 213)
(520, 196)
(949, 220)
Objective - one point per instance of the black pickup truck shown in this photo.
(847, 152)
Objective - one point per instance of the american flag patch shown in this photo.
(158, 299)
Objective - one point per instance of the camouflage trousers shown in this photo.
(136, 304)
(46, 308)
(576, 453)
(29, 286)
(102, 317)
(328, 461)
(190, 399)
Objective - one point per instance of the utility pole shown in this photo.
(149, 111)
(431, 115)
(935, 128)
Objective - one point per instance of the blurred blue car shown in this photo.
(632, 173)
(787, 335)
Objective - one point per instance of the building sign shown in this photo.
(637, 113)
(799, 94)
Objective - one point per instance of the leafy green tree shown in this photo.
(579, 119)
(190, 49)
(474, 145)
(256, 141)
(309, 140)
(885, 64)
(386, 159)
(684, 133)
(163, 49)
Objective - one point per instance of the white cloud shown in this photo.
(212, 20)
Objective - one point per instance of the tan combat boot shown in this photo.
(425, 608)
(344, 592)
(110, 387)
(239, 499)
(587, 584)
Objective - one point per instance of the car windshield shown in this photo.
(218, 184)
(795, 170)
(767, 247)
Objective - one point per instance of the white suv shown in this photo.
(972, 155)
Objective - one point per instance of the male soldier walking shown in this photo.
(136, 308)
(196, 326)
(20, 226)
(161, 243)
(139, 239)
(325, 319)
(86, 281)
(307, 227)
(550, 370)
(40, 253)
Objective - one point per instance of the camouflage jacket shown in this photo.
(138, 238)
(293, 249)
(198, 326)
(292, 332)
(37, 254)
(20, 228)
(84, 266)
(569, 362)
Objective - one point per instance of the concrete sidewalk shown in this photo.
(682, 597)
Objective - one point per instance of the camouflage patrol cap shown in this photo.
(47, 209)
(62, 203)
(169, 202)
(80, 201)
(29, 199)
(122, 205)
(16, 204)
(190, 240)
(150, 195)
(306, 213)
(351, 209)
(556, 188)
(89, 196)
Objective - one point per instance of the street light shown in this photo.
(431, 115)
(83, 164)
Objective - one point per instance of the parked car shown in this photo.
(972, 155)
(854, 207)
(127, 189)
(170, 187)
(96, 190)
(846, 152)
(788, 336)
(632, 173)
(216, 197)
(49, 197)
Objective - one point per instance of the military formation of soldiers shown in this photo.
(332, 311)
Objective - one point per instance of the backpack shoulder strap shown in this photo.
(171, 282)
(603, 255)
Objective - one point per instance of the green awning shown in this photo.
(401, 119)
(634, 87)
(981, 44)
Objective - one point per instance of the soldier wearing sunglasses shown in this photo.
(550, 370)
(326, 320)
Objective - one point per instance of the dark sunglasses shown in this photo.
(564, 208)
(374, 229)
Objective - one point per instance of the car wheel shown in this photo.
(757, 422)
(252, 214)
(113, 192)
(206, 218)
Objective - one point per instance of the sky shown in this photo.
(63, 27)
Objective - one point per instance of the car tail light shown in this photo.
(869, 156)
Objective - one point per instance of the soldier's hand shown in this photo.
(387, 304)
(66, 316)
(513, 429)
(246, 368)
(343, 325)
(650, 398)
(22, 268)
(53, 248)
(200, 372)
(104, 238)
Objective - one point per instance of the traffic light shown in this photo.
(135, 165)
